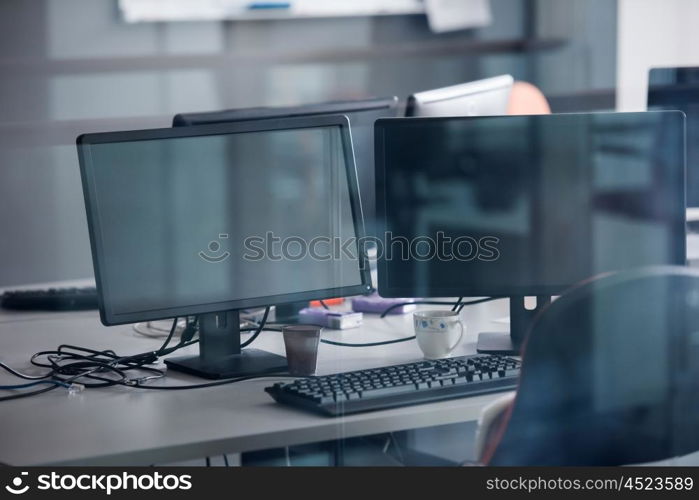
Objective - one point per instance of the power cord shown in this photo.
(211, 384)
(23, 375)
(68, 364)
(28, 394)
(368, 344)
(474, 302)
(259, 329)
(456, 306)
(32, 384)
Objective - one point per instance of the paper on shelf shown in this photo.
(450, 15)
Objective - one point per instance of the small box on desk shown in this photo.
(337, 320)
(377, 305)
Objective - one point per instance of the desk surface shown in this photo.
(120, 425)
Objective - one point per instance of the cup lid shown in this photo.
(301, 328)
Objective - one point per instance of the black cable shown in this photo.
(325, 306)
(28, 394)
(27, 385)
(95, 368)
(210, 384)
(368, 344)
(190, 330)
(457, 303)
(80, 362)
(428, 302)
(439, 303)
(23, 375)
(208, 462)
(260, 327)
(58, 382)
(225, 460)
(169, 337)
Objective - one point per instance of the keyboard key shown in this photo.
(388, 391)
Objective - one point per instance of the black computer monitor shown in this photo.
(678, 88)
(490, 96)
(361, 113)
(517, 206)
(207, 220)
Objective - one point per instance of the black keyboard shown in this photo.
(400, 385)
(52, 299)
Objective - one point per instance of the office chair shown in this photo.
(527, 99)
(610, 376)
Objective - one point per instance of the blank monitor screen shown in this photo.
(210, 218)
(526, 205)
(490, 96)
(361, 113)
(678, 88)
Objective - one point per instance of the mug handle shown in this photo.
(461, 335)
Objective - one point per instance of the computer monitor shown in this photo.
(361, 113)
(207, 220)
(517, 206)
(490, 96)
(678, 88)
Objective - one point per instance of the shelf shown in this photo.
(64, 132)
(449, 48)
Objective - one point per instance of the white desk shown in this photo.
(126, 426)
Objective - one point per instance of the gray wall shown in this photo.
(653, 34)
(72, 66)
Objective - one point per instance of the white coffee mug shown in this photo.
(438, 332)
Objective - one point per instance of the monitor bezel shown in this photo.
(107, 314)
(263, 113)
(480, 290)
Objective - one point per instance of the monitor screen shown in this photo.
(361, 113)
(187, 221)
(526, 205)
(678, 88)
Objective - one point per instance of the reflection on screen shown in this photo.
(524, 204)
(678, 89)
(199, 220)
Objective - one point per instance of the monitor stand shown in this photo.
(520, 320)
(220, 355)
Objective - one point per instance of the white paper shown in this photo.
(450, 15)
(211, 10)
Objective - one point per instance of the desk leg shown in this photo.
(233, 459)
(338, 452)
